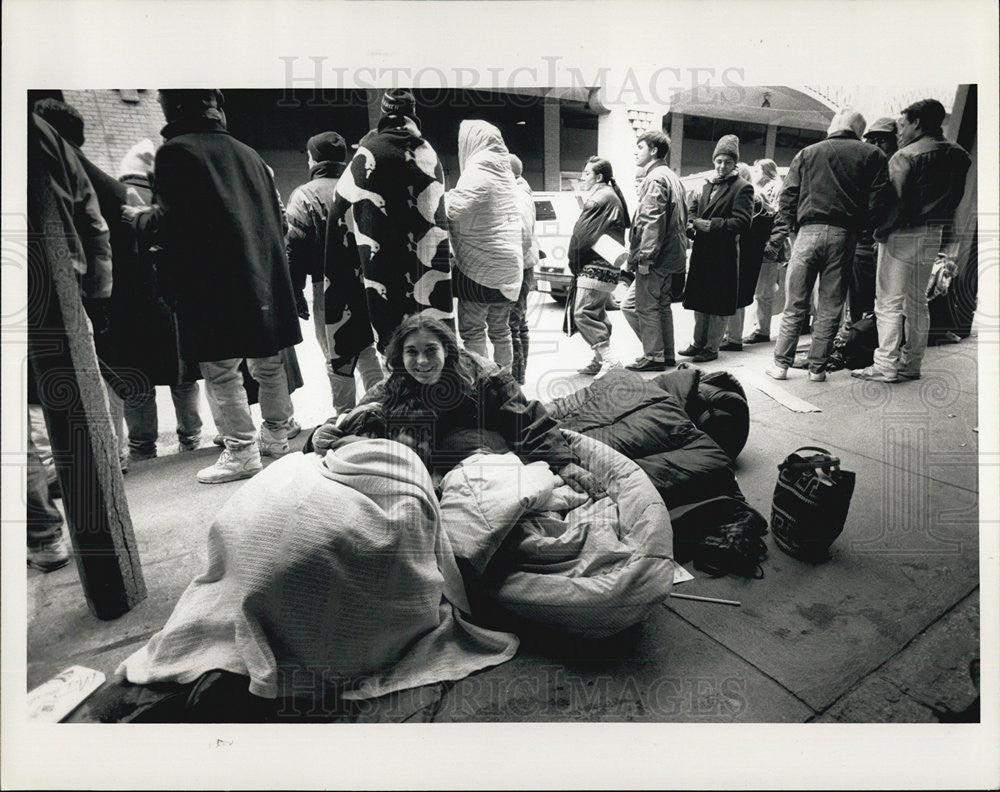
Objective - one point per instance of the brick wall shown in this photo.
(113, 125)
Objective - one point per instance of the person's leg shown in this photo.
(319, 326)
(666, 317)
(799, 282)
(143, 424)
(228, 401)
(275, 404)
(39, 435)
(590, 312)
(519, 329)
(629, 311)
(733, 332)
(227, 397)
(116, 408)
(763, 298)
(861, 293)
(343, 384)
(714, 329)
(46, 551)
(472, 325)
(498, 327)
(926, 243)
(648, 297)
(185, 398)
(370, 368)
(838, 257)
(891, 277)
(700, 335)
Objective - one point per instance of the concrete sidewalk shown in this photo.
(885, 630)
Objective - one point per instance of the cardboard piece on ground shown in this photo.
(770, 387)
(57, 698)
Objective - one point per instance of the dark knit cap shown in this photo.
(64, 118)
(327, 147)
(190, 102)
(728, 144)
(399, 102)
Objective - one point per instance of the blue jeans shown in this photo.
(646, 308)
(519, 327)
(823, 252)
(228, 398)
(905, 262)
(44, 521)
(143, 421)
(476, 319)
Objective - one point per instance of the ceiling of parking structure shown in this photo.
(765, 104)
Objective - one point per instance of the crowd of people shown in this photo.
(196, 270)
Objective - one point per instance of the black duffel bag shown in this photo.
(811, 500)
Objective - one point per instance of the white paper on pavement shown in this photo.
(609, 249)
(768, 386)
(681, 575)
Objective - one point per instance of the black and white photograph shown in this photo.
(615, 383)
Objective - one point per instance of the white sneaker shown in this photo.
(49, 557)
(817, 376)
(233, 465)
(293, 428)
(777, 372)
(270, 444)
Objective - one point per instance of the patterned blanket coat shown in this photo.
(388, 232)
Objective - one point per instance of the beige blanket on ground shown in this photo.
(327, 573)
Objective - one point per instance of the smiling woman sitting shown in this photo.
(446, 403)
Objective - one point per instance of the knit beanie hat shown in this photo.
(139, 159)
(327, 147)
(728, 144)
(398, 103)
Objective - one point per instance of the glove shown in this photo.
(301, 306)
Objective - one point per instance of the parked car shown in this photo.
(555, 215)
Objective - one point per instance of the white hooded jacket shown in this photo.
(483, 215)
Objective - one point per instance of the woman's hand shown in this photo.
(582, 480)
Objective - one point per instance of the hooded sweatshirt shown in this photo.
(483, 216)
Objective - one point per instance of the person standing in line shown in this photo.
(657, 254)
(218, 218)
(308, 212)
(861, 287)
(486, 237)
(752, 244)
(718, 216)
(833, 188)
(389, 233)
(519, 311)
(774, 260)
(928, 176)
(604, 213)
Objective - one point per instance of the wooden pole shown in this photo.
(84, 449)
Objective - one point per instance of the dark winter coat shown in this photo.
(602, 214)
(139, 349)
(308, 210)
(713, 273)
(840, 181)
(220, 225)
(752, 244)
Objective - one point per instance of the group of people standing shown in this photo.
(200, 271)
(859, 221)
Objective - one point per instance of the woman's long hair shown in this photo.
(405, 395)
(601, 167)
(746, 173)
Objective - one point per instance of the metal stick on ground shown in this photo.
(705, 599)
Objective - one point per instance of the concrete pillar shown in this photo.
(551, 127)
(770, 142)
(676, 141)
(616, 144)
